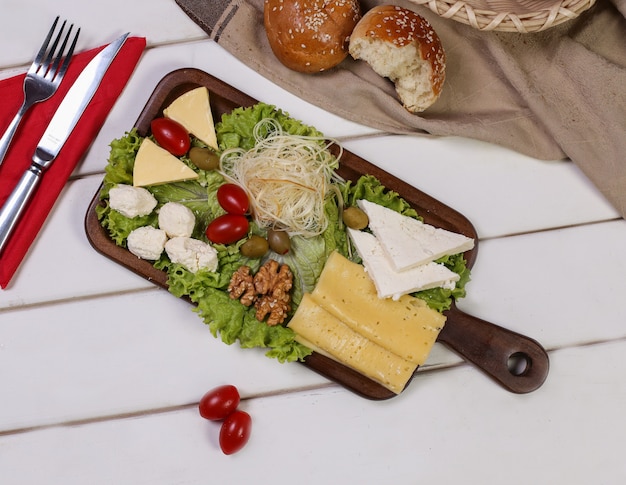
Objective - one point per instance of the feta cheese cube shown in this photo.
(131, 201)
(193, 254)
(147, 242)
(177, 220)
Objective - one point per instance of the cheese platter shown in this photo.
(518, 363)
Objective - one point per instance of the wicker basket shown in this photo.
(521, 16)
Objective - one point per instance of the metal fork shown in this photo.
(43, 77)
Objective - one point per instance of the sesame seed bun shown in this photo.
(401, 45)
(310, 35)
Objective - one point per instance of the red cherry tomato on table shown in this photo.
(171, 135)
(233, 199)
(227, 228)
(235, 432)
(220, 402)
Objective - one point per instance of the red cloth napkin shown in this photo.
(18, 158)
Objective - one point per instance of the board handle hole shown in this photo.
(518, 363)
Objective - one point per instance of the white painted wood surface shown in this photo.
(101, 372)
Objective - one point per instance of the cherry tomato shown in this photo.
(171, 135)
(227, 228)
(235, 432)
(220, 402)
(233, 199)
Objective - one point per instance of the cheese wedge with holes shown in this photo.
(409, 242)
(391, 283)
(155, 165)
(193, 111)
(407, 327)
(322, 332)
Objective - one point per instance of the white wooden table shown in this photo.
(101, 372)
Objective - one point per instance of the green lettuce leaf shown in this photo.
(226, 318)
(236, 129)
(369, 188)
(119, 169)
(119, 226)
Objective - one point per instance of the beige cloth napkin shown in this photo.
(555, 94)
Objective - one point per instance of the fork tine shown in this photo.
(45, 66)
(44, 46)
(52, 72)
(55, 64)
(68, 56)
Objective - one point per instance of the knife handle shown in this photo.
(16, 203)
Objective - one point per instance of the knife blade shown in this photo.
(58, 131)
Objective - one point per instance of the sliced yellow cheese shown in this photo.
(321, 331)
(307, 343)
(193, 111)
(155, 165)
(407, 327)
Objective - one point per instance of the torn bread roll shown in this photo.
(310, 35)
(401, 45)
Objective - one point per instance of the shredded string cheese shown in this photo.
(287, 178)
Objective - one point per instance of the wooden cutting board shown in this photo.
(516, 362)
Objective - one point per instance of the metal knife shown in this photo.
(58, 131)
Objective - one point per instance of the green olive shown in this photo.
(254, 247)
(279, 241)
(355, 218)
(204, 158)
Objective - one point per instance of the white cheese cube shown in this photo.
(177, 220)
(147, 242)
(193, 254)
(131, 201)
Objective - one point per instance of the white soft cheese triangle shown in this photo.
(155, 165)
(408, 242)
(193, 111)
(391, 283)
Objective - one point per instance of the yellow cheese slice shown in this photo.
(155, 165)
(407, 327)
(321, 331)
(193, 111)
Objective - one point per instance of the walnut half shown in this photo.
(269, 290)
(241, 286)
